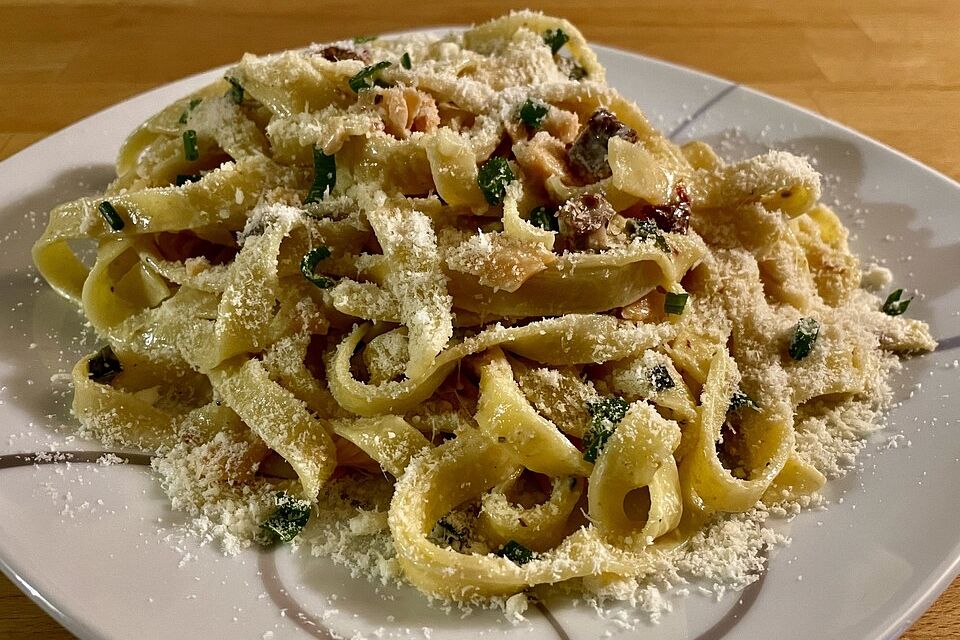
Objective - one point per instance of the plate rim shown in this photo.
(928, 589)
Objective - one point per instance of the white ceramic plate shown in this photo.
(98, 547)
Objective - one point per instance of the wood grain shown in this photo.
(888, 68)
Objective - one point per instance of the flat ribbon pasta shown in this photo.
(449, 475)
(582, 283)
(768, 439)
(504, 414)
(275, 415)
(566, 340)
(638, 456)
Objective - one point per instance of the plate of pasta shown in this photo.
(485, 321)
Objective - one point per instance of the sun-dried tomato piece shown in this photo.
(336, 54)
(673, 217)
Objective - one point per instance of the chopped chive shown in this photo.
(183, 179)
(104, 366)
(236, 90)
(803, 338)
(605, 413)
(186, 112)
(405, 60)
(555, 39)
(288, 520)
(646, 229)
(577, 72)
(190, 151)
(660, 378)
(362, 39)
(894, 306)
(532, 113)
(516, 553)
(364, 78)
(448, 534)
(308, 267)
(741, 399)
(324, 176)
(493, 177)
(545, 218)
(110, 215)
(674, 303)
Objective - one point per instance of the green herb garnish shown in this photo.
(110, 215)
(740, 399)
(555, 39)
(104, 365)
(803, 338)
(236, 90)
(308, 266)
(365, 77)
(646, 229)
(190, 150)
(493, 177)
(674, 303)
(894, 306)
(186, 112)
(660, 378)
(362, 39)
(448, 534)
(183, 179)
(516, 553)
(405, 60)
(545, 218)
(605, 413)
(288, 520)
(324, 176)
(577, 72)
(532, 113)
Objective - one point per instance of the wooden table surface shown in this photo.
(888, 68)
